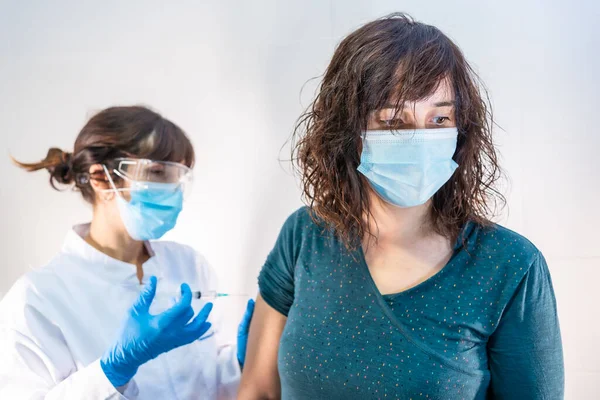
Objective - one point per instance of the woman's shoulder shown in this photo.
(301, 216)
(303, 221)
(304, 229)
(498, 260)
(503, 248)
(499, 237)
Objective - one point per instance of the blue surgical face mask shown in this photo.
(152, 210)
(407, 167)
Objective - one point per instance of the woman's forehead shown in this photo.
(444, 92)
(442, 95)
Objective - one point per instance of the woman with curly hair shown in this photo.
(393, 282)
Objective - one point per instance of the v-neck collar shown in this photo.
(463, 242)
(106, 267)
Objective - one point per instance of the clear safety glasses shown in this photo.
(147, 174)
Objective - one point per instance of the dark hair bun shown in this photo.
(115, 132)
(59, 164)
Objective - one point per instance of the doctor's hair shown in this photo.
(115, 132)
(393, 60)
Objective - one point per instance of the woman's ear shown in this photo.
(100, 183)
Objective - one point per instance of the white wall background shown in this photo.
(230, 73)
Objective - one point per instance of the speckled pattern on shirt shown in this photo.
(485, 326)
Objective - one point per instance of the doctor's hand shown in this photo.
(243, 329)
(143, 336)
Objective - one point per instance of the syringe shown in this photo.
(213, 294)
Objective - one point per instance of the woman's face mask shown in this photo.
(407, 155)
(406, 168)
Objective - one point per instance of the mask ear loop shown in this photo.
(112, 183)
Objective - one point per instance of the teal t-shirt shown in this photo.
(485, 326)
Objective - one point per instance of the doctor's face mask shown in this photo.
(153, 197)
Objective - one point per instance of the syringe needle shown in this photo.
(213, 294)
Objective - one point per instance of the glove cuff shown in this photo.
(117, 376)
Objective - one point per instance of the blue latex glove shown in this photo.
(242, 336)
(143, 337)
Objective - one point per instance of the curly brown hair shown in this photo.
(393, 60)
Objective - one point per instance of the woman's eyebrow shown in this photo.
(446, 103)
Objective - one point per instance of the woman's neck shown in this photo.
(399, 226)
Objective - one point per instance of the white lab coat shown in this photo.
(57, 321)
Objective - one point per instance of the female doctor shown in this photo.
(105, 319)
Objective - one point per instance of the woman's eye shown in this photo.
(440, 120)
